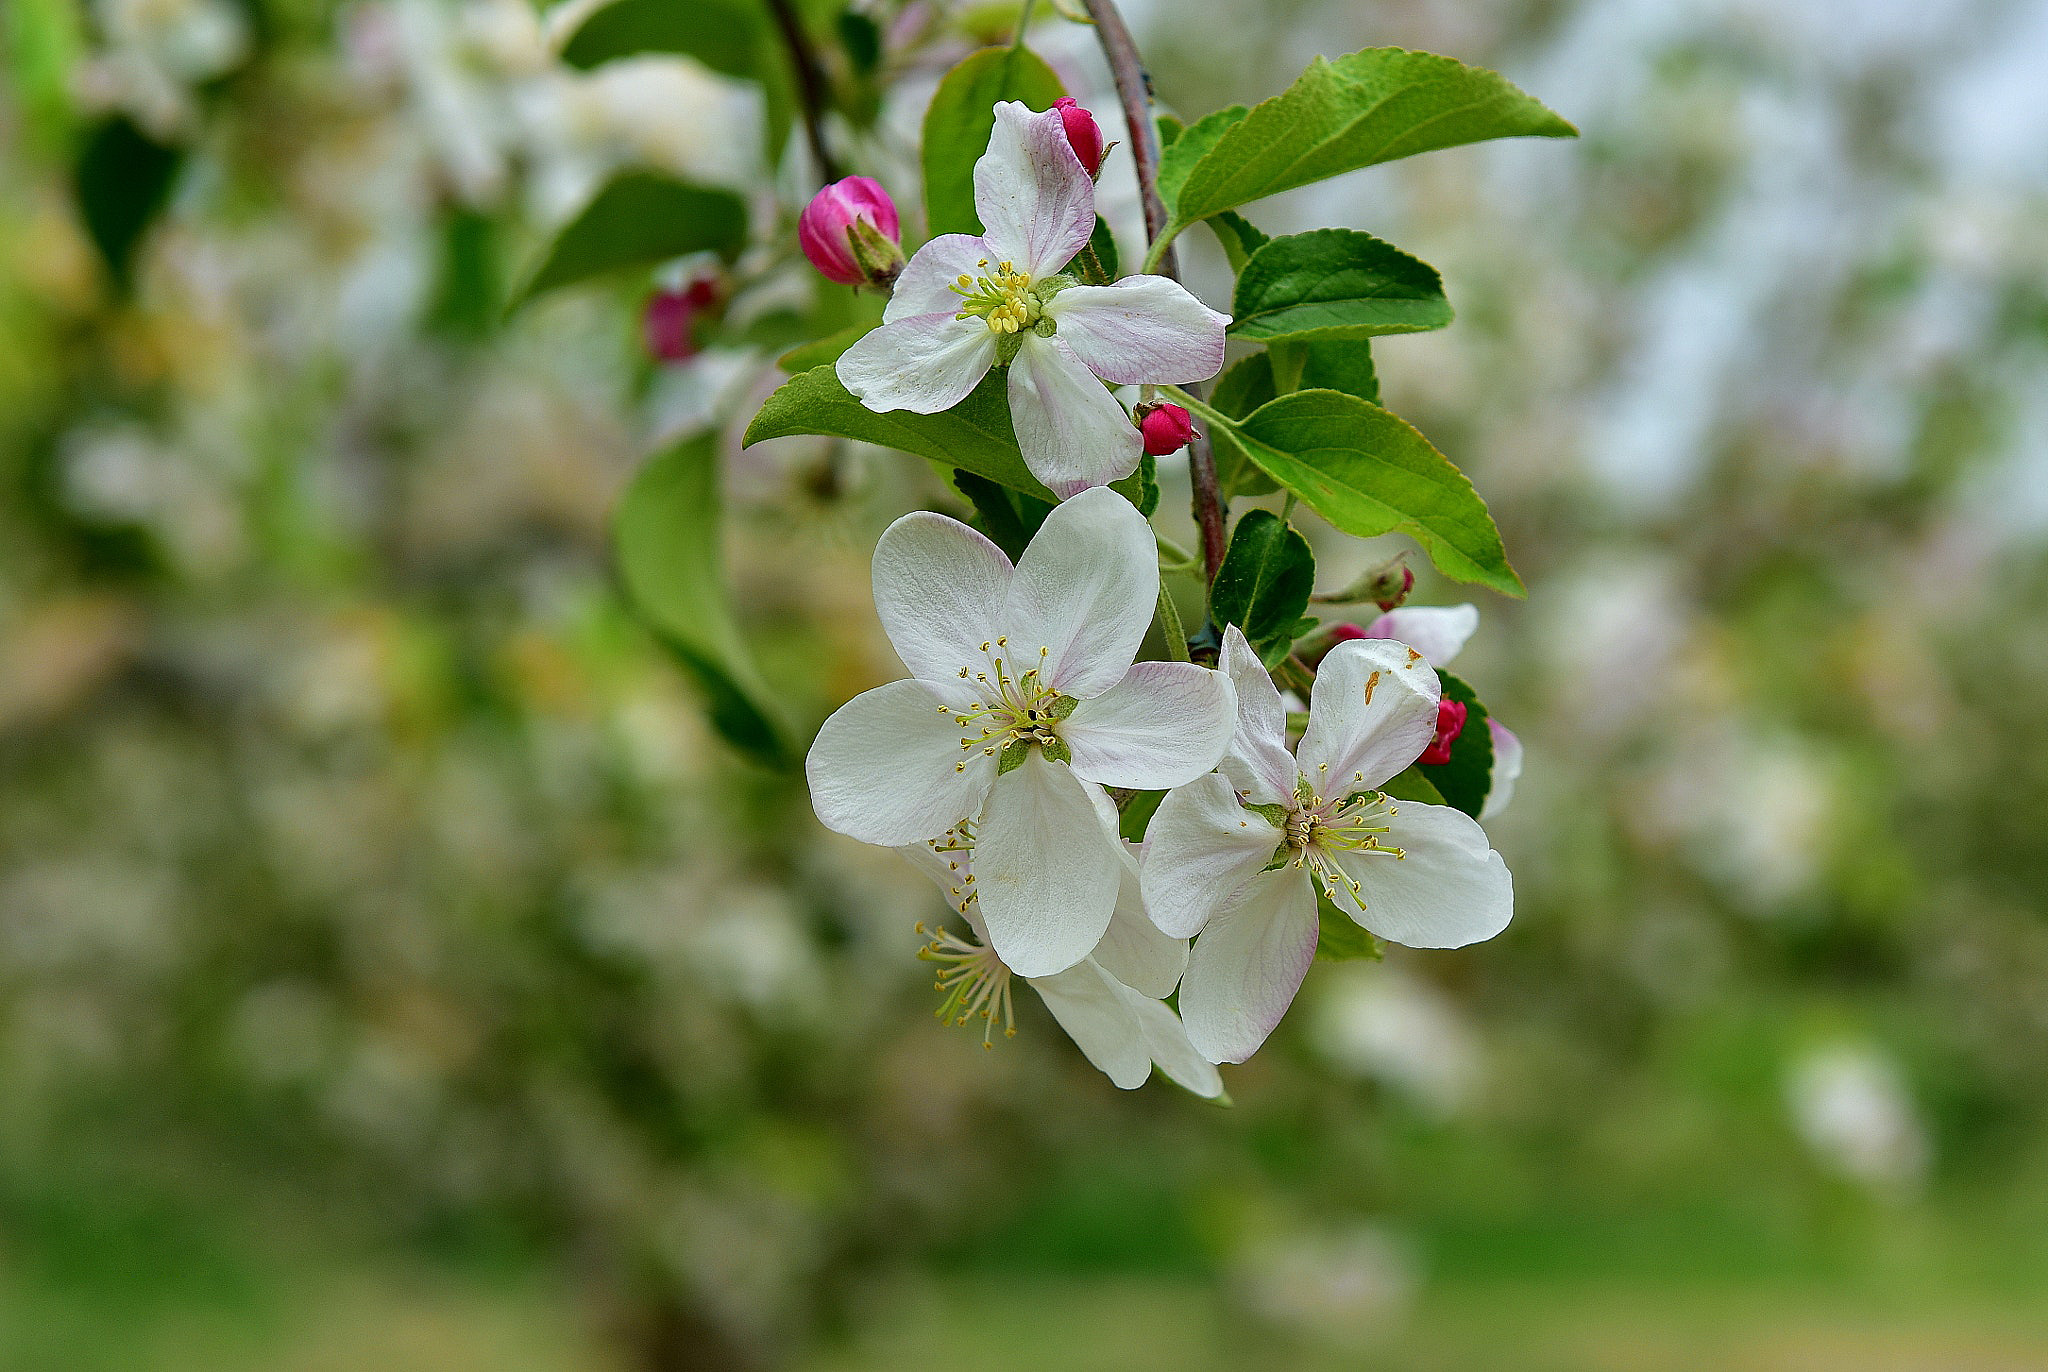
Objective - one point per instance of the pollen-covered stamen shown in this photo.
(973, 982)
(1002, 298)
(1014, 711)
(1317, 829)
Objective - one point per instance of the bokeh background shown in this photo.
(396, 971)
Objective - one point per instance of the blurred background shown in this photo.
(397, 971)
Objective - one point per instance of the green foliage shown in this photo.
(1103, 244)
(974, 435)
(1369, 107)
(1339, 937)
(1264, 583)
(666, 540)
(1465, 779)
(1239, 236)
(826, 350)
(1136, 814)
(1413, 785)
(1369, 473)
(123, 180)
(725, 35)
(1141, 487)
(1009, 518)
(959, 120)
(638, 220)
(1335, 284)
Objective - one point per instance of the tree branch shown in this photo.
(810, 84)
(1134, 92)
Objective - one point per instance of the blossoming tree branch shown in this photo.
(1157, 822)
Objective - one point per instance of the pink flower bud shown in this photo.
(1450, 722)
(1393, 600)
(1166, 428)
(1345, 633)
(850, 233)
(1086, 138)
(666, 324)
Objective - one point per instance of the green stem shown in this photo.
(1168, 619)
(1023, 22)
(1161, 246)
(1200, 408)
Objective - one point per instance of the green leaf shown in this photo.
(638, 220)
(123, 180)
(724, 35)
(826, 350)
(1337, 365)
(1141, 487)
(1463, 781)
(1340, 939)
(1190, 146)
(1413, 785)
(1335, 284)
(1137, 814)
(975, 434)
(960, 119)
(1103, 243)
(666, 540)
(1240, 239)
(1264, 583)
(1369, 473)
(1370, 107)
(1009, 518)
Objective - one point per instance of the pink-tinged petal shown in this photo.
(1164, 724)
(1372, 713)
(1245, 968)
(888, 767)
(1200, 849)
(1166, 1039)
(925, 364)
(1447, 890)
(1095, 1010)
(1258, 763)
(1141, 329)
(939, 590)
(1036, 202)
(926, 286)
(1073, 433)
(1083, 595)
(1045, 871)
(1438, 632)
(1507, 768)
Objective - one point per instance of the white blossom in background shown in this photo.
(966, 304)
(1237, 857)
(1110, 1002)
(1022, 692)
(1850, 1104)
(1339, 1284)
(1375, 1021)
(156, 52)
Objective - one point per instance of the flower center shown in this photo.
(1015, 713)
(1002, 299)
(1317, 829)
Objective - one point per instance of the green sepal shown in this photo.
(1012, 757)
(1056, 750)
(1061, 707)
(1275, 815)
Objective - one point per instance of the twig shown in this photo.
(810, 84)
(1134, 91)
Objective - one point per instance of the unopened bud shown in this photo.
(1450, 722)
(849, 231)
(1386, 586)
(1167, 428)
(666, 326)
(1086, 137)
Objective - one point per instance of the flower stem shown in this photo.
(810, 85)
(1170, 627)
(1134, 91)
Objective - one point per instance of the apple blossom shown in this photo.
(1109, 1002)
(967, 304)
(1237, 857)
(1023, 690)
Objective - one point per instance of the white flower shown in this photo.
(1022, 690)
(1109, 1002)
(1237, 857)
(1438, 632)
(966, 304)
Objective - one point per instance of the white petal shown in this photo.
(1258, 762)
(1507, 768)
(1037, 204)
(1073, 433)
(1372, 713)
(1084, 592)
(1450, 888)
(1095, 1010)
(1166, 1039)
(1163, 725)
(1045, 869)
(1133, 950)
(926, 285)
(939, 589)
(1435, 631)
(888, 767)
(1141, 329)
(1245, 968)
(925, 364)
(1200, 847)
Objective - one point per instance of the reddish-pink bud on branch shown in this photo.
(1450, 722)
(1082, 132)
(851, 233)
(1166, 428)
